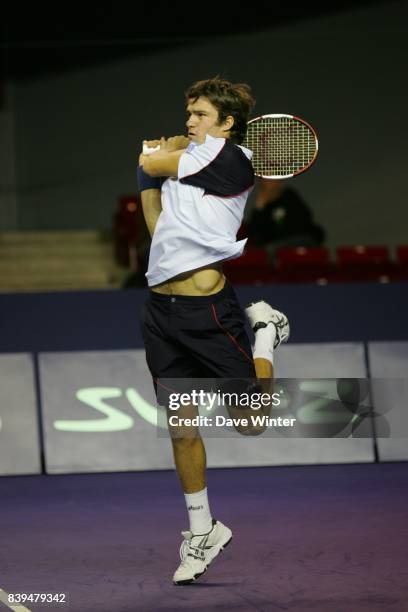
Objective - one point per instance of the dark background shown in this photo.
(83, 86)
(37, 41)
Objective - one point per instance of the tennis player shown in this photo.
(194, 190)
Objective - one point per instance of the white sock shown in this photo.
(198, 512)
(264, 341)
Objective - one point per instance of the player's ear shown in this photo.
(228, 123)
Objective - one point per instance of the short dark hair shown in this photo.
(233, 99)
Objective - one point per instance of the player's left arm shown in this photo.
(165, 162)
(161, 163)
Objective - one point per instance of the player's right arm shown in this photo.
(150, 193)
(162, 163)
(152, 207)
(159, 164)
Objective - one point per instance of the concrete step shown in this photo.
(32, 262)
(52, 269)
(57, 285)
(50, 236)
(74, 282)
(58, 261)
(21, 251)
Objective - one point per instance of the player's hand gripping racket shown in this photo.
(148, 150)
(282, 145)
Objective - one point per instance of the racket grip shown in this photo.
(147, 150)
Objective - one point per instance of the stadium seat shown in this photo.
(364, 263)
(402, 255)
(304, 257)
(401, 273)
(303, 265)
(125, 227)
(252, 268)
(362, 255)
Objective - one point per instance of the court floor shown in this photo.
(323, 538)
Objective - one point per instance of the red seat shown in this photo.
(402, 255)
(362, 255)
(252, 268)
(301, 257)
(303, 265)
(125, 227)
(401, 266)
(365, 263)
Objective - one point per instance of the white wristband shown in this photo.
(147, 150)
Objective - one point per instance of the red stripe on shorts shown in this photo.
(230, 336)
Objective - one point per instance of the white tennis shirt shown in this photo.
(202, 209)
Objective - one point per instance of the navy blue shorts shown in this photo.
(196, 336)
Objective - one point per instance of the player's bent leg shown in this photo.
(263, 368)
(271, 328)
(241, 400)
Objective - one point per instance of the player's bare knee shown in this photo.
(250, 430)
(185, 442)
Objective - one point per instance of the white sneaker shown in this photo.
(197, 552)
(261, 313)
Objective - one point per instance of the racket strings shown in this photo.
(281, 146)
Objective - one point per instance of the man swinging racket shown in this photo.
(193, 325)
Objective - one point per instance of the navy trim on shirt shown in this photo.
(229, 174)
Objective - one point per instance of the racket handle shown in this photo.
(147, 150)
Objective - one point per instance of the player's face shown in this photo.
(202, 119)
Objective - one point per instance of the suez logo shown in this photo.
(314, 402)
(115, 419)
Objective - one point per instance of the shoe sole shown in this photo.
(191, 580)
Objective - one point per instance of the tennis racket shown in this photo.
(282, 145)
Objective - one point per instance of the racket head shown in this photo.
(282, 145)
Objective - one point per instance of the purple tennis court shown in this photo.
(322, 538)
